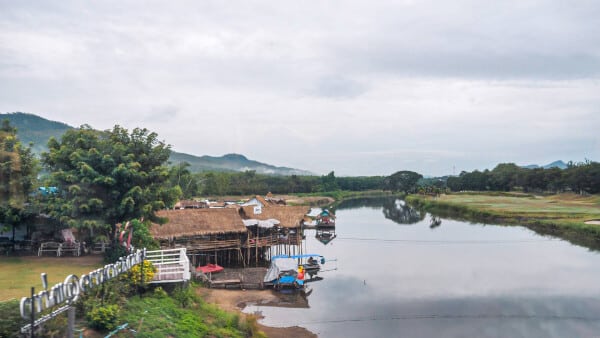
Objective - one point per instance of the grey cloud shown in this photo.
(338, 87)
(462, 83)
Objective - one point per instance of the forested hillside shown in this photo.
(38, 130)
(34, 129)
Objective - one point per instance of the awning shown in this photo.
(267, 224)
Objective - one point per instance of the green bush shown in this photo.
(159, 292)
(104, 317)
(184, 296)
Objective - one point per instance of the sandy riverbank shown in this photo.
(236, 300)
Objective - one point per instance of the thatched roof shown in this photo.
(197, 222)
(289, 216)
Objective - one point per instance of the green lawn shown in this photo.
(19, 274)
(561, 215)
(564, 205)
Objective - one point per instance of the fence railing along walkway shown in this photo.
(172, 265)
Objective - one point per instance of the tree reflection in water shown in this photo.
(400, 212)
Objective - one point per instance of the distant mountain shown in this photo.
(34, 129)
(556, 164)
(38, 130)
(232, 162)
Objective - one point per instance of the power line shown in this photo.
(453, 316)
(421, 241)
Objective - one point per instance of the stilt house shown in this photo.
(209, 235)
(284, 237)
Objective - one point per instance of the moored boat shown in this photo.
(286, 271)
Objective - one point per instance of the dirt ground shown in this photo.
(308, 200)
(236, 300)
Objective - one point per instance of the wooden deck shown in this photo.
(243, 278)
(171, 265)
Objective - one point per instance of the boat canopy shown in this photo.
(278, 266)
(274, 258)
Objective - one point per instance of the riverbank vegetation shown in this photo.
(561, 215)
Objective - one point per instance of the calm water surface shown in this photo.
(398, 277)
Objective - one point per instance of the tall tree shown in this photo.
(107, 177)
(405, 181)
(18, 170)
(329, 182)
(180, 176)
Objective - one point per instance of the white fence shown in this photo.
(171, 265)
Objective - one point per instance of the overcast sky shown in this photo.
(359, 87)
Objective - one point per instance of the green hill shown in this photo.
(231, 162)
(34, 129)
(38, 130)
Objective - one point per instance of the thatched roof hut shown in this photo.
(197, 222)
(288, 216)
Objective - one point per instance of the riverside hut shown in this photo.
(209, 235)
(284, 235)
(326, 219)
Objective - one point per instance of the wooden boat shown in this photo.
(209, 268)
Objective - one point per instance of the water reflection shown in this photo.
(435, 222)
(394, 209)
(325, 236)
(400, 212)
(364, 202)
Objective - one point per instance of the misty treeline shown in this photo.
(250, 182)
(583, 177)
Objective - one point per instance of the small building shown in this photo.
(325, 219)
(266, 201)
(257, 201)
(190, 204)
(274, 200)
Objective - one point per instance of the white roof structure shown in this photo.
(278, 266)
(266, 224)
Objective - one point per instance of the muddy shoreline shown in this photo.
(236, 300)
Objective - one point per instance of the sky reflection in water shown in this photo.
(459, 279)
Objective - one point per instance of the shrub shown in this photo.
(184, 296)
(134, 274)
(160, 293)
(104, 317)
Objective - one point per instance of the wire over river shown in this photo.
(454, 316)
(447, 242)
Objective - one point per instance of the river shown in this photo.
(393, 275)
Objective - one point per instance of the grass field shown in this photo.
(561, 215)
(19, 274)
(564, 205)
